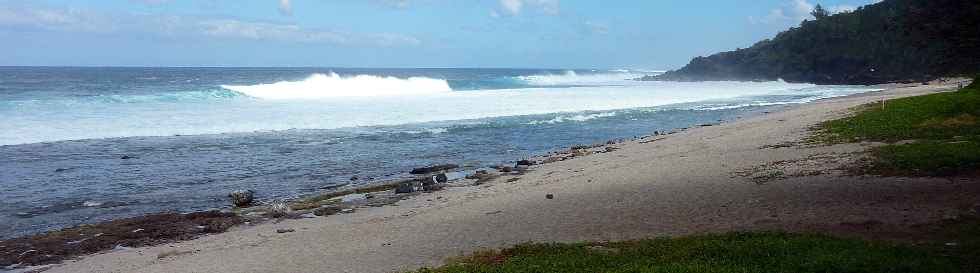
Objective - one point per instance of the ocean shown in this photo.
(82, 145)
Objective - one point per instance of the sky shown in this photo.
(637, 34)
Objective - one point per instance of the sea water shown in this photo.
(81, 145)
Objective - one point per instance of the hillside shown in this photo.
(891, 41)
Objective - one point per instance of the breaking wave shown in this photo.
(576, 78)
(575, 118)
(333, 85)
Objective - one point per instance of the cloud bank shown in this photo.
(85, 21)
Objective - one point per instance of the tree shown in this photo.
(819, 12)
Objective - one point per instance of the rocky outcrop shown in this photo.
(242, 198)
(434, 168)
(278, 209)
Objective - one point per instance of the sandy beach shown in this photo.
(752, 174)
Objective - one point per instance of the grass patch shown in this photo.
(927, 158)
(735, 252)
(944, 128)
(935, 117)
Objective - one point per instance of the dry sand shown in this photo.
(746, 175)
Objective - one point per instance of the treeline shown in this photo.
(890, 41)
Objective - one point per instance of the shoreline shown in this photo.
(621, 165)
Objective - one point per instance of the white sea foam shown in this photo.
(572, 78)
(568, 118)
(333, 85)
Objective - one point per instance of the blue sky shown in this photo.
(646, 34)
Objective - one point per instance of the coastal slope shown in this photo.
(752, 174)
(889, 41)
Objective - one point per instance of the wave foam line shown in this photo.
(576, 118)
(333, 86)
(572, 78)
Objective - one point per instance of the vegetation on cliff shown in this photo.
(890, 41)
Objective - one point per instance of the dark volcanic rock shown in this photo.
(434, 168)
(153, 229)
(242, 198)
(407, 187)
(441, 178)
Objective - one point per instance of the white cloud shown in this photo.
(286, 7)
(801, 9)
(515, 7)
(842, 8)
(80, 21)
(795, 11)
(57, 20)
(512, 6)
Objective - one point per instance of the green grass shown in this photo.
(735, 252)
(927, 158)
(937, 117)
(944, 128)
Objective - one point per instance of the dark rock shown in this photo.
(505, 169)
(525, 162)
(580, 147)
(285, 230)
(354, 178)
(441, 178)
(278, 208)
(549, 196)
(407, 187)
(481, 177)
(154, 229)
(434, 168)
(513, 179)
(242, 198)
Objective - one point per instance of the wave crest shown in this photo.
(572, 78)
(333, 85)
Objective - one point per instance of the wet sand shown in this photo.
(751, 174)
